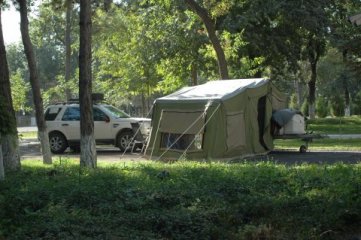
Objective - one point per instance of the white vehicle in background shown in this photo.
(111, 127)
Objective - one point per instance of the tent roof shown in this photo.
(212, 90)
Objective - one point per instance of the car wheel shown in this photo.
(124, 141)
(58, 142)
(303, 149)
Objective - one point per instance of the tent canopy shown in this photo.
(220, 119)
(220, 89)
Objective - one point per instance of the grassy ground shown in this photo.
(28, 135)
(343, 125)
(325, 144)
(185, 200)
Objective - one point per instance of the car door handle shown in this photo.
(64, 124)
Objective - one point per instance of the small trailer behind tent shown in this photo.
(224, 119)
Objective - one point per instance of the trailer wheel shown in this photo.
(303, 149)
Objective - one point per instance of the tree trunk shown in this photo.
(10, 143)
(2, 171)
(88, 156)
(312, 91)
(69, 7)
(143, 105)
(148, 100)
(299, 92)
(194, 74)
(314, 49)
(35, 82)
(211, 29)
(345, 87)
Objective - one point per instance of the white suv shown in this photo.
(111, 126)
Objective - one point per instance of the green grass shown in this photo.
(325, 144)
(342, 125)
(28, 135)
(185, 200)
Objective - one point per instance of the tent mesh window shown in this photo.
(182, 142)
(182, 130)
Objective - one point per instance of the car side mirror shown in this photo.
(107, 119)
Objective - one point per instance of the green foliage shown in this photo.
(293, 102)
(58, 92)
(357, 104)
(304, 107)
(192, 201)
(337, 106)
(321, 107)
(19, 92)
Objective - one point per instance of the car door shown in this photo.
(102, 126)
(70, 124)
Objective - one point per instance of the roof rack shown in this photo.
(96, 97)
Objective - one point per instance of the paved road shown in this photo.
(31, 150)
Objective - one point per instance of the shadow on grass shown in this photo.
(185, 200)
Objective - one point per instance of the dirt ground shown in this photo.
(31, 150)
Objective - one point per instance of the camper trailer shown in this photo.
(223, 119)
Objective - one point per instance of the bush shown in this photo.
(321, 107)
(337, 106)
(304, 108)
(356, 106)
(293, 102)
(260, 200)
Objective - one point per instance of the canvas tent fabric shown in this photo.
(222, 119)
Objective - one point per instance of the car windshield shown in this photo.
(115, 112)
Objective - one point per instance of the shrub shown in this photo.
(293, 102)
(357, 104)
(338, 106)
(304, 108)
(321, 107)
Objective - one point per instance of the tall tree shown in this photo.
(35, 82)
(2, 171)
(88, 156)
(211, 30)
(315, 49)
(10, 143)
(69, 8)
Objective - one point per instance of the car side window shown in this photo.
(51, 113)
(71, 114)
(98, 115)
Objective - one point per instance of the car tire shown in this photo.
(123, 141)
(58, 142)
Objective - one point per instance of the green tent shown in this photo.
(223, 119)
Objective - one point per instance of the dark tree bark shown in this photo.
(88, 156)
(314, 53)
(9, 141)
(345, 88)
(211, 29)
(2, 171)
(35, 82)
(69, 7)
(194, 74)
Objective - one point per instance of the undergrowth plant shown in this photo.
(182, 200)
